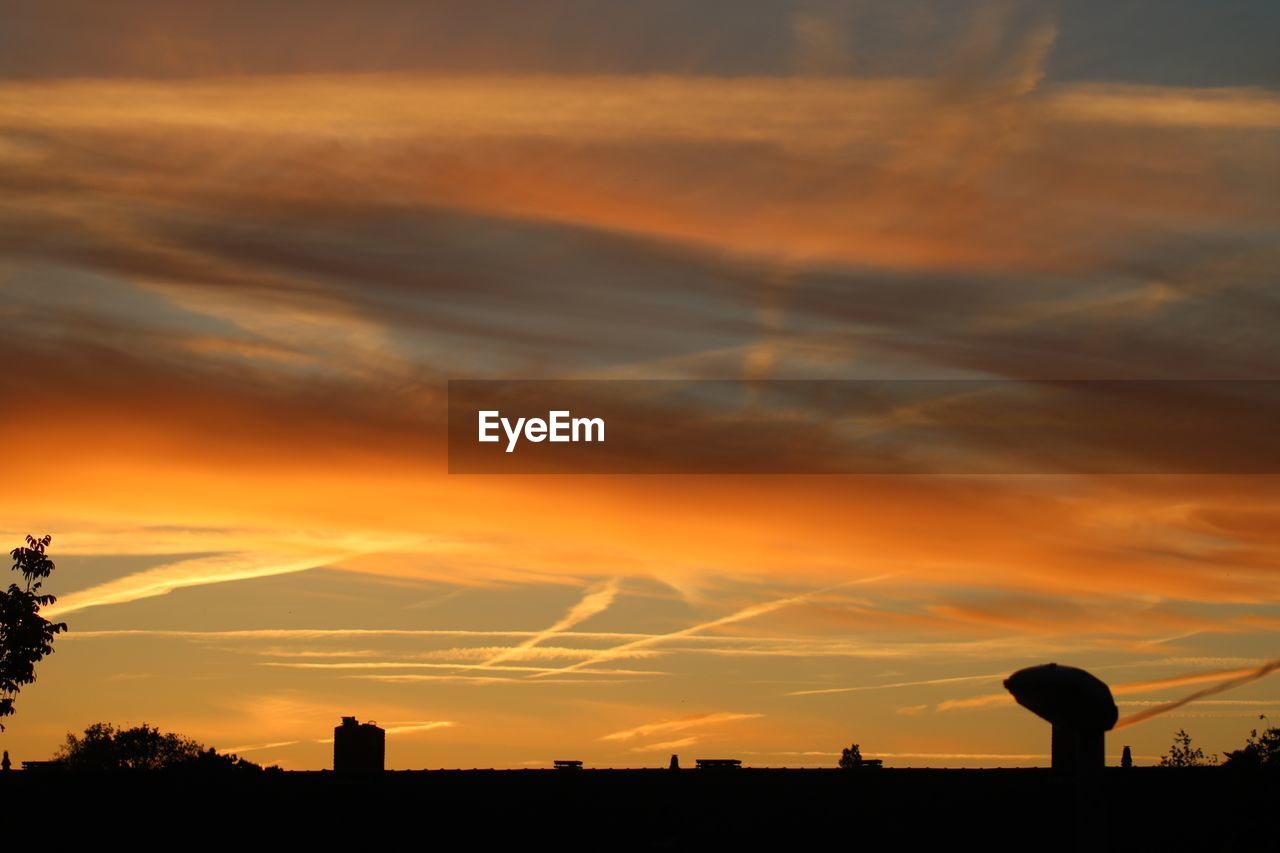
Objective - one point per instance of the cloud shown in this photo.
(394, 729)
(408, 728)
(233, 303)
(404, 664)
(678, 725)
(322, 633)
(594, 601)
(746, 613)
(455, 678)
(665, 745)
(1235, 680)
(235, 750)
(1224, 680)
(162, 580)
(276, 556)
(981, 756)
(969, 703)
(896, 684)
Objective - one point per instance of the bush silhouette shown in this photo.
(1181, 753)
(1259, 750)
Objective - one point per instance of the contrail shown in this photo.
(696, 721)
(950, 680)
(739, 616)
(1213, 689)
(391, 730)
(1226, 678)
(596, 600)
(161, 580)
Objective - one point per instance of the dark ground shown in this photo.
(1197, 809)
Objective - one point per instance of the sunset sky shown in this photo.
(244, 246)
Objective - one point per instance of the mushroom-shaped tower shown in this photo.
(1076, 703)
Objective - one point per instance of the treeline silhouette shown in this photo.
(1260, 752)
(104, 748)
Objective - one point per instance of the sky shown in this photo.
(244, 246)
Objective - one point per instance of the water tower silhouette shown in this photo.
(359, 748)
(1076, 703)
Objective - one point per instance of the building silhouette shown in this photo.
(359, 748)
(1077, 704)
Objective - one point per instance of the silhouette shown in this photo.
(1259, 751)
(1182, 754)
(103, 747)
(359, 748)
(25, 636)
(850, 758)
(1126, 758)
(5, 764)
(1081, 710)
(1077, 704)
(675, 763)
(727, 807)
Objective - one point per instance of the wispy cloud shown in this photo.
(253, 747)
(408, 728)
(984, 756)
(162, 580)
(406, 664)
(1238, 679)
(678, 725)
(392, 729)
(596, 600)
(324, 633)
(460, 678)
(924, 682)
(746, 613)
(455, 653)
(1224, 680)
(1226, 676)
(273, 358)
(968, 703)
(665, 745)
(1230, 703)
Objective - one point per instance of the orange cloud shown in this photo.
(696, 721)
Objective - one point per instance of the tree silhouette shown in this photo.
(1181, 753)
(144, 747)
(25, 636)
(851, 758)
(1259, 750)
